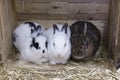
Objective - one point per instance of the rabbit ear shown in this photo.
(85, 28)
(55, 28)
(65, 28)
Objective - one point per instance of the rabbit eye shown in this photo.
(53, 44)
(64, 44)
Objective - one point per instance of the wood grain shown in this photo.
(8, 21)
(61, 8)
(83, 1)
(114, 33)
(0, 39)
(38, 16)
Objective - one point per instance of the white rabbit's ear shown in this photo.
(64, 28)
(55, 28)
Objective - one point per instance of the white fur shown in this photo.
(24, 40)
(58, 53)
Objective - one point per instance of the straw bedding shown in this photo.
(99, 68)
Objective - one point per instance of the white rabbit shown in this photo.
(59, 46)
(30, 42)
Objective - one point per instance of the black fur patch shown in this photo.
(34, 44)
(55, 28)
(31, 24)
(33, 27)
(46, 44)
(39, 34)
(65, 28)
(38, 27)
(32, 31)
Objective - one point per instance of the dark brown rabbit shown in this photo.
(85, 40)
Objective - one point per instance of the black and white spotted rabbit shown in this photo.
(31, 42)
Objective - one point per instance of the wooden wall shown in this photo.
(7, 24)
(114, 32)
(0, 40)
(62, 9)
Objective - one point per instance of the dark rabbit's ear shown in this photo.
(55, 28)
(64, 28)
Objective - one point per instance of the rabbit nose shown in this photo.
(43, 51)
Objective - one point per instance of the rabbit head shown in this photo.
(60, 44)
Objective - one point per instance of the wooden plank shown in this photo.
(19, 4)
(114, 25)
(114, 44)
(83, 1)
(0, 41)
(38, 16)
(117, 34)
(106, 36)
(8, 21)
(111, 28)
(61, 8)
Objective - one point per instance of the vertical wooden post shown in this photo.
(7, 24)
(114, 32)
(0, 40)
